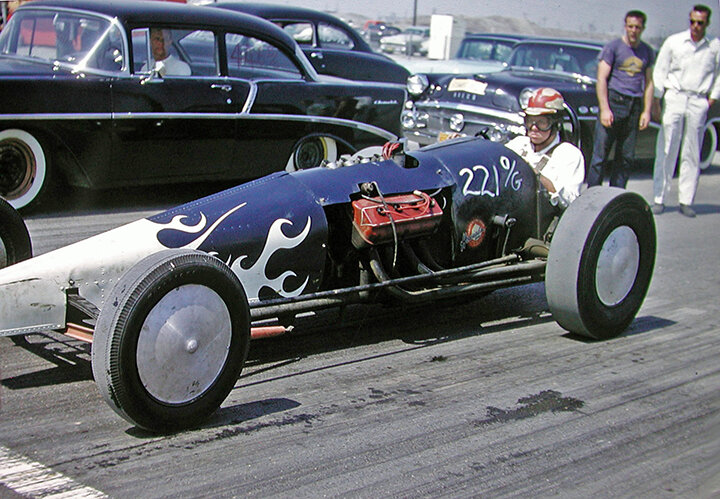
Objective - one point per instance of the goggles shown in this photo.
(542, 123)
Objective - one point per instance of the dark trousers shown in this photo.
(623, 133)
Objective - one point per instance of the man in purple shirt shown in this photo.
(624, 90)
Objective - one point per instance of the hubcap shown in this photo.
(184, 344)
(17, 168)
(310, 154)
(617, 266)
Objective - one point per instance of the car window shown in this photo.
(333, 37)
(553, 57)
(85, 41)
(183, 52)
(302, 32)
(249, 57)
(485, 50)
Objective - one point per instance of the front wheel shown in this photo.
(600, 262)
(23, 168)
(171, 340)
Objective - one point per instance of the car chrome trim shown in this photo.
(250, 100)
(451, 106)
(380, 132)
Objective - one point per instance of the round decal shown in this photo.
(474, 234)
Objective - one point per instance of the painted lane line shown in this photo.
(32, 479)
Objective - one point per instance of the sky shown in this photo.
(605, 16)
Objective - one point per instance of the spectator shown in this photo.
(686, 76)
(625, 91)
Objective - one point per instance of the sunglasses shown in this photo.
(699, 23)
(541, 123)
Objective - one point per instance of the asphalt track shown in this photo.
(487, 398)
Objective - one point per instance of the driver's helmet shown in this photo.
(544, 101)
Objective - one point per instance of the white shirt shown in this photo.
(173, 67)
(565, 167)
(685, 66)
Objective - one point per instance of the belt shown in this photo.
(623, 96)
(692, 93)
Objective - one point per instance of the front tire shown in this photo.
(600, 262)
(23, 168)
(171, 340)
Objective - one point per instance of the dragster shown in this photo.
(169, 301)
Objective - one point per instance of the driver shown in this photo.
(160, 42)
(560, 166)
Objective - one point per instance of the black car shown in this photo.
(442, 105)
(333, 47)
(84, 103)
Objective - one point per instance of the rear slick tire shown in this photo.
(600, 262)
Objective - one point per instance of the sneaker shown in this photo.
(658, 208)
(687, 211)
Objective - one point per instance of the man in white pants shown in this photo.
(686, 75)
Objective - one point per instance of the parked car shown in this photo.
(412, 41)
(442, 105)
(332, 46)
(375, 30)
(478, 53)
(169, 302)
(80, 101)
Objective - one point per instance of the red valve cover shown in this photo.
(413, 215)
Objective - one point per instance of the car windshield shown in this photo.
(78, 39)
(485, 50)
(554, 57)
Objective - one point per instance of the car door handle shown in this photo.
(224, 88)
(316, 55)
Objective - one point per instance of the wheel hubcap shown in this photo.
(184, 344)
(17, 168)
(617, 266)
(310, 154)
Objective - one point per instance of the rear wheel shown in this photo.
(600, 262)
(171, 340)
(23, 168)
(311, 151)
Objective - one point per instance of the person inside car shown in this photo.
(160, 41)
(560, 165)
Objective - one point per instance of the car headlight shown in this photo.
(417, 84)
(525, 97)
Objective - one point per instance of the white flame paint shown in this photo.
(176, 224)
(255, 278)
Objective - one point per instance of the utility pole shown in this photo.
(414, 12)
